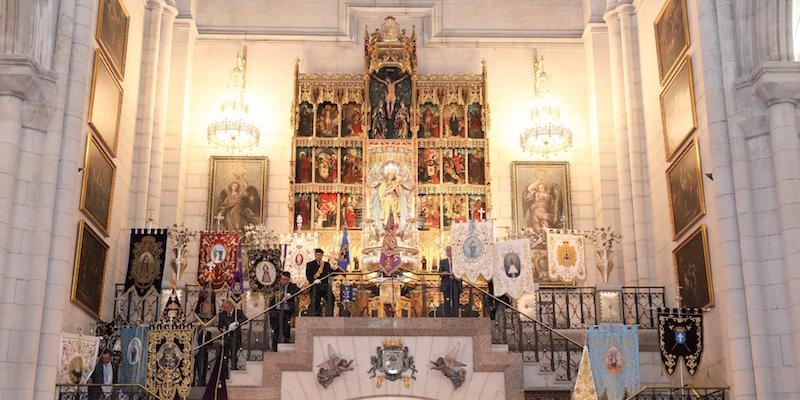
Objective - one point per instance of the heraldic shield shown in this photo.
(680, 334)
(391, 361)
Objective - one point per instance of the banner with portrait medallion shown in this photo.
(473, 249)
(680, 334)
(133, 367)
(512, 268)
(614, 356)
(169, 361)
(218, 258)
(297, 252)
(78, 358)
(146, 260)
(566, 259)
(263, 268)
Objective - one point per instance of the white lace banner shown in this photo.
(473, 249)
(78, 358)
(566, 259)
(512, 268)
(299, 251)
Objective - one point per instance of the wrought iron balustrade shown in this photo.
(680, 393)
(576, 307)
(104, 392)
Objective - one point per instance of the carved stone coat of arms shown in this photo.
(391, 362)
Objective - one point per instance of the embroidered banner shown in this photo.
(614, 357)
(680, 334)
(473, 249)
(133, 367)
(512, 268)
(146, 260)
(565, 256)
(584, 382)
(169, 361)
(78, 358)
(109, 335)
(298, 252)
(262, 269)
(218, 258)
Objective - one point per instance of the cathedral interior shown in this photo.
(399, 199)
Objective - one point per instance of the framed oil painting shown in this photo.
(305, 119)
(541, 196)
(303, 167)
(326, 165)
(454, 166)
(428, 211)
(328, 119)
(352, 165)
(302, 211)
(677, 109)
(685, 188)
(237, 191)
(105, 105)
(428, 121)
(351, 211)
(454, 209)
(672, 36)
(693, 270)
(352, 120)
(112, 33)
(454, 120)
(89, 272)
(476, 167)
(325, 212)
(97, 191)
(428, 165)
(475, 121)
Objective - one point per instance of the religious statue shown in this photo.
(332, 368)
(391, 195)
(391, 91)
(451, 368)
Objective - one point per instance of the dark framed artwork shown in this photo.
(541, 196)
(112, 33)
(325, 212)
(693, 270)
(105, 104)
(352, 165)
(97, 190)
(678, 115)
(352, 120)
(476, 167)
(454, 120)
(326, 165)
(685, 188)
(454, 163)
(672, 36)
(328, 119)
(237, 191)
(428, 121)
(428, 165)
(302, 211)
(303, 165)
(89, 272)
(475, 121)
(352, 211)
(305, 119)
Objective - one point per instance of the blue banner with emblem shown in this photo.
(614, 357)
(133, 365)
(680, 335)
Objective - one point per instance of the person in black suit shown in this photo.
(281, 316)
(450, 286)
(228, 320)
(317, 273)
(105, 372)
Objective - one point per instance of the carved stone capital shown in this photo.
(22, 78)
(777, 82)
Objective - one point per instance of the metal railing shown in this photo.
(576, 307)
(679, 393)
(97, 392)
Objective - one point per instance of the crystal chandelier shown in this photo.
(234, 129)
(546, 132)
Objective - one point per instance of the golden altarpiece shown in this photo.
(389, 147)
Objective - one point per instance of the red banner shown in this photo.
(218, 258)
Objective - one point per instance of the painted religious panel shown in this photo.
(454, 120)
(541, 196)
(328, 119)
(476, 167)
(678, 116)
(685, 187)
(454, 166)
(429, 211)
(454, 209)
(352, 165)
(105, 105)
(305, 119)
(237, 192)
(428, 166)
(303, 167)
(429, 121)
(352, 211)
(672, 36)
(390, 100)
(112, 33)
(326, 165)
(477, 207)
(693, 271)
(97, 192)
(352, 120)
(325, 212)
(302, 210)
(475, 121)
(89, 272)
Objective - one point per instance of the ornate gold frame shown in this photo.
(112, 146)
(82, 231)
(687, 63)
(515, 201)
(212, 171)
(92, 140)
(664, 75)
(685, 153)
(701, 230)
(119, 70)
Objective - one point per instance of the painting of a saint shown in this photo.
(678, 117)
(352, 120)
(237, 189)
(454, 120)
(512, 265)
(541, 196)
(352, 210)
(112, 33)
(89, 272)
(305, 119)
(169, 356)
(428, 165)
(454, 209)
(303, 165)
(477, 207)
(326, 164)
(672, 35)
(453, 166)
(428, 211)
(105, 105)
(326, 207)
(302, 210)
(693, 270)
(97, 190)
(428, 121)
(475, 121)
(685, 187)
(352, 165)
(476, 169)
(328, 120)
